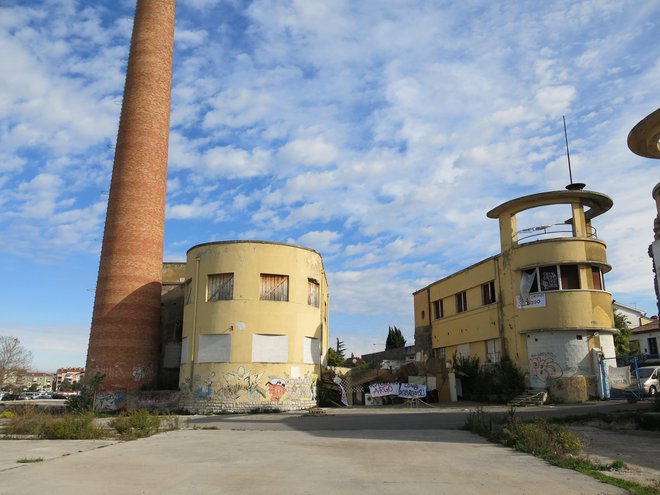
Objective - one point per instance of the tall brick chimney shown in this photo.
(124, 338)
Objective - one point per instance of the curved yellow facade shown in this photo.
(255, 326)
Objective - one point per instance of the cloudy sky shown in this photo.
(378, 132)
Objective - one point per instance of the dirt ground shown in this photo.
(639, 450)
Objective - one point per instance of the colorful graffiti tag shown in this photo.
(543, 367)
(110, 401)
(276, 388)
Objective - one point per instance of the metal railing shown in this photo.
(554, 230)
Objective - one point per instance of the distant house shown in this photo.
(634, 317)
(73, 375)
(645, 340)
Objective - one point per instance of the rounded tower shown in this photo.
(255, 326)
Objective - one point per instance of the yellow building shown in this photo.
(541, 302)
(255, 326)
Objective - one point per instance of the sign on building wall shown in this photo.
(532, 301)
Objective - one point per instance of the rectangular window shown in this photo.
(493, 350)
(188, 289)
(570, 277)
(313, 292)
(461, 302)
(274, 288)
(441, 353)
(311, 351)
(220, 287)
(214, 348)
(438, 309)
(653, 345)
(488, 293)
(270, 348)
(548, 277)
(597, 277)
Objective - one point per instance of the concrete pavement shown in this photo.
(346, 451)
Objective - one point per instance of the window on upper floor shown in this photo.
(488, 293)
(274, 288)
(188, 291)
(220, 287)
(461, 302)
(313, 292)
(553, 277)
(438, 309)
(597, 277)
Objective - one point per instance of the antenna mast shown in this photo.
(568, 154)
(577, 186)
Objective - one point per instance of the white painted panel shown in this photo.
(270, 348)
(214, 348)
(184, 350)
(311, 351)
(172, 355)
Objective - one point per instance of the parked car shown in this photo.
(649, 378)
(8, 396)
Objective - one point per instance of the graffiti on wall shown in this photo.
(240, 382)
(110, 401)
(206, 388)
(245, 385)
(543, 367)
(276, 388)
(302, 388)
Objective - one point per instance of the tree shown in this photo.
(622, 337)
(66, 385)
(335, 358)
(340, 348)
(13, 358)
(395, 339)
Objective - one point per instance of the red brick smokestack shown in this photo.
(124, 338)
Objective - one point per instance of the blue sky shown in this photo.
(377, 132)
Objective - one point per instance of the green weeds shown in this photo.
(45, 426)
(550, 441)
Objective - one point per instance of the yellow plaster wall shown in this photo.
(246, 315)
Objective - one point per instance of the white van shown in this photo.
(649, 378)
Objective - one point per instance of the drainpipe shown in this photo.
(193, 336)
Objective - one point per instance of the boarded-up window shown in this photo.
(570, 277)
(220, 287)
(493, 350)
(188, 289)
(184, 350)
(597, 277)
(311, 351)
(313, 292)
(274, 288)
(270, 348)
(214, 348)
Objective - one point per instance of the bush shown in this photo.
(73, 427)
(541, 438)
(136, 424)
(43, 425)
(503, 380)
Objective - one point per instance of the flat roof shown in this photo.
(644, 138)
(598, 203)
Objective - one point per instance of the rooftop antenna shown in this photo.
(573, 186)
